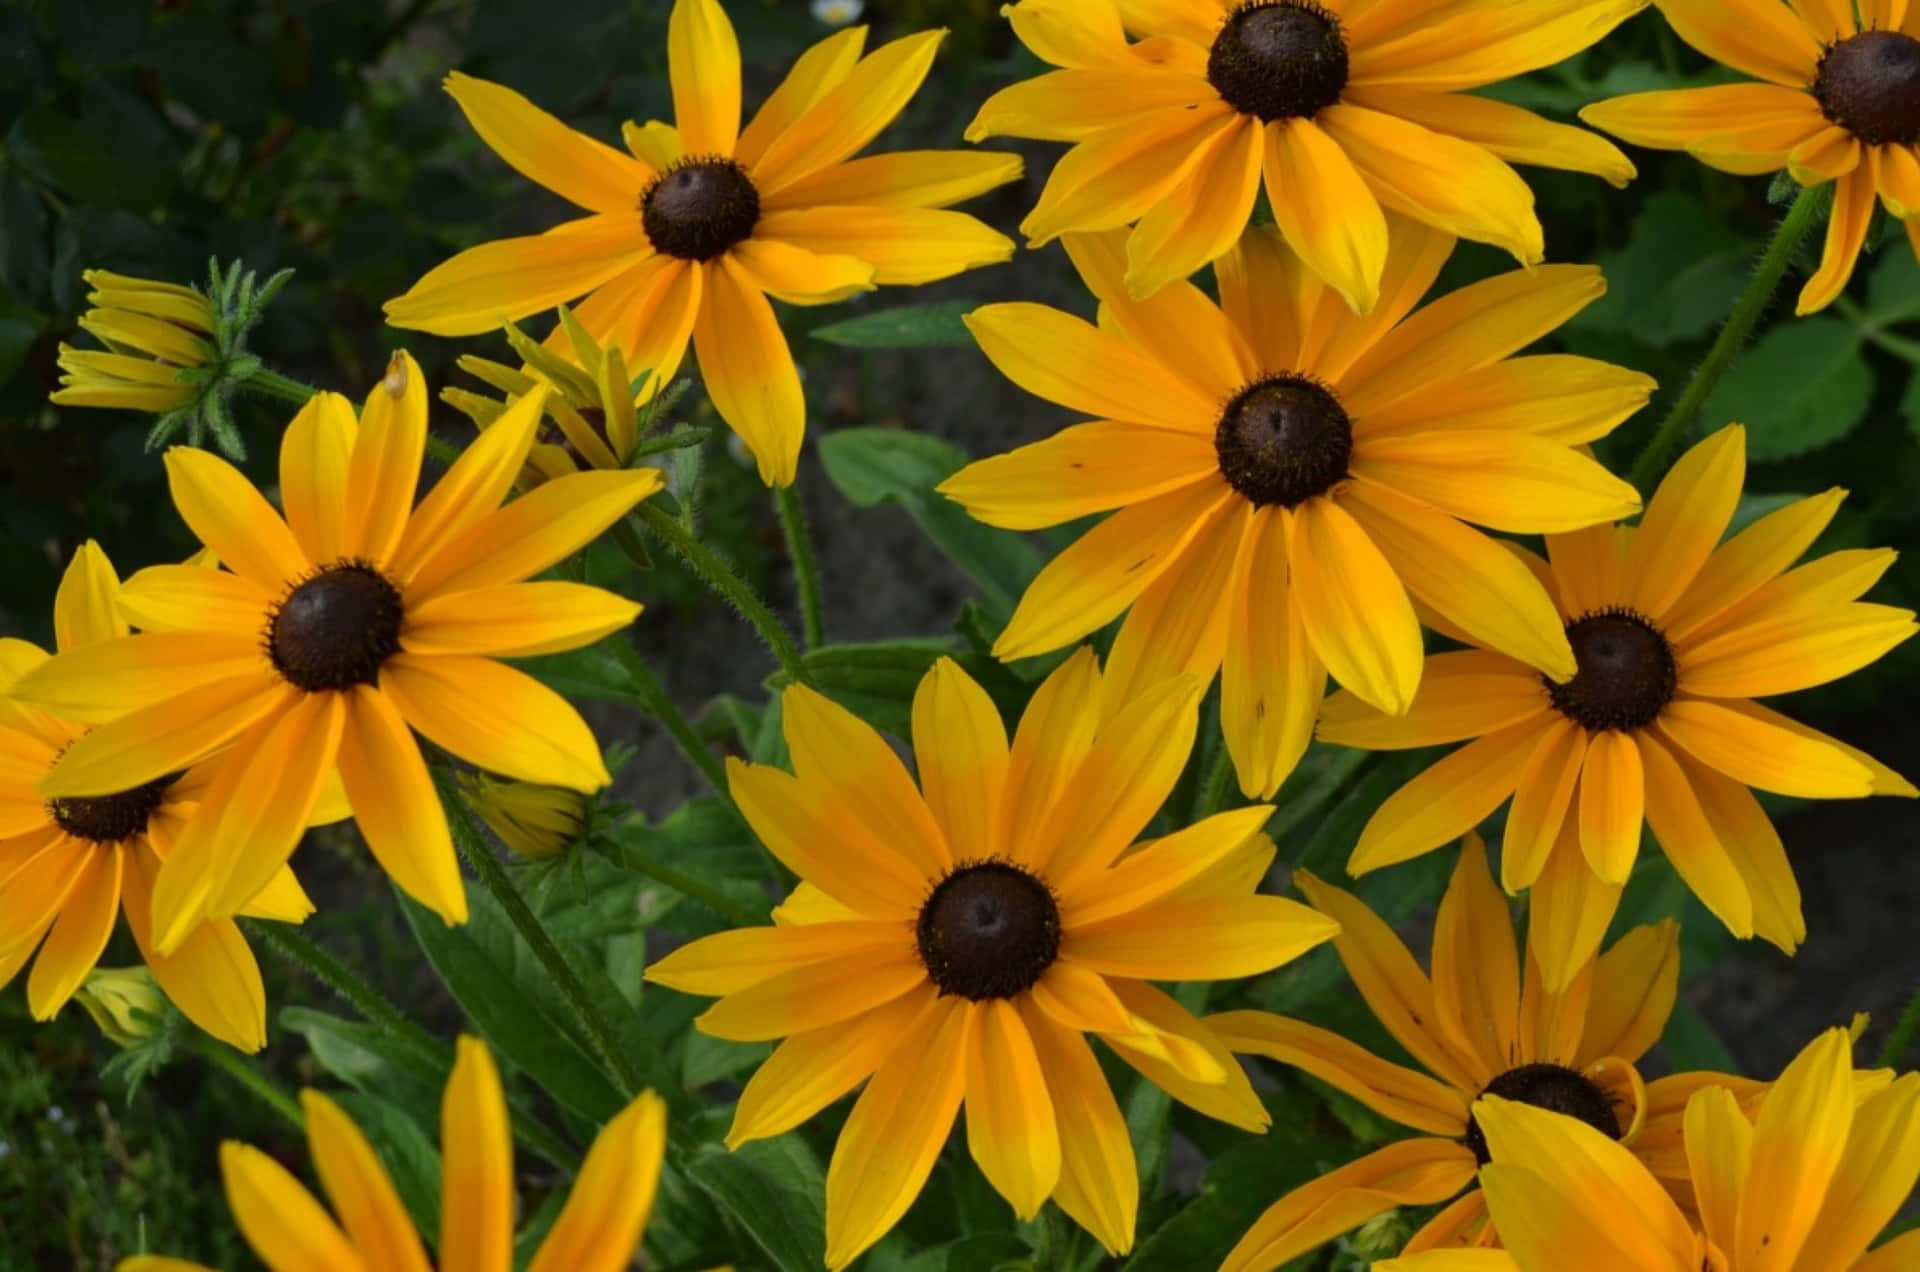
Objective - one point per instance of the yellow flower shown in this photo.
(1287, 474)
(329, 633)
(1674, 636)
(1482, 1023)
(1342, 108)
(288, 1228)
(688, 233)
(68, 866)
(124, 1002)
(591, 405)
(1805, 1186)
(536, 822)
(954, 943)
(151, 329)
(1841, 104)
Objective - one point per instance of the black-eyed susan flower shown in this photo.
(331, 634)
(535, 822)
(1807, 1185)
(953, 943)
(1290, 479)
(1341, 108)
(369, 1230)
(1839, 103)
(151, 331)
(692, 231)
(1481, 1022)
(69, 866)
(1675, 634)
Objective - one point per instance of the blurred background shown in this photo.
(145, 137)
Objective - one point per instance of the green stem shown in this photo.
(466, 837)
(1214, 798)
(273, 384)
(656, 702)
(224, 1059)
(688, 886)
(344, 982)
(1733, 337)
(793, 521)
(728, 585)
(1902, 1036)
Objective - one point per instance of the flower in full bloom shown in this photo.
(691, 232)
(1341, 108)
(954, 943)
(331, 634)
(596, 1231)
(1675, 634)
(1480, 1022)
(70, 866)
(1807, 1185)
(150, 330)
(1291, 479)
(1839, 103)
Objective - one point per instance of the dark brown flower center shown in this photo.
(1869, 84)
(700, 208)
(1626, 674)
(336, 629)
(1279, 59)
(989, 930)
(1283, 440)
(108, 819)
(1552, 1087)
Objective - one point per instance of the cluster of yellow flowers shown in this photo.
(1300, 476)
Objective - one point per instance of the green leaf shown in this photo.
(368, 1059)
(879, 465)
(408, 1154)
(1690, 1043)
(907, 327)
(775, 1190)
(1240, 1184)
(1893, 291)
(875, 681)
(1910, 404)
(1803, 386)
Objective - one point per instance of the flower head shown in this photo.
(1481, 1021)
(1290, 478)
(151, 330)
(69, 866)
(330, 635)
(535, 822)
(1341, 108)
(953, 943)
(1673, 633)
(598, 1227)
(1805, 1184)
(124, 1002)
(1840, 103)
(693, 230)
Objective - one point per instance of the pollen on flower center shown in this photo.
(1869, 84)
(336, 628)
(1279, 59)
(988, 930)
(108, 819)
(1283, 440)
(1626, 672)
(1552, 1087)
(699, 208)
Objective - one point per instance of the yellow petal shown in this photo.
(1447, 800)
(1759, 37)
(801, 275)
(1749, 560)
(1407, 1096)
(728, 962)
(1074, 105)
(1684, 521)
(1010, 1126)
(1179, 625)
(1231, 1100)
(907, 178)
(1875, 1176)
(1121, 174)
(1353, 605)
(1510, 481)
(1612, 805)
(164, 738)
(1064, 359)
(1733, 738)
(79, 933)
(1799, 1142)
(212, 978)
(1055, 733)
(1099, 1185)
(799, 828)
(1853, 204)
(1634, 987)
(471, 488)
(279, 1218)
(748, 371)
(1081, 470)
(1558, 396)
(1514, 134)
(1476, 972)
(903, 246)
(84, 612)
(960, 746)
(232, 518)
(1271, 681)
(361, 1190)
(105, 681)
(1463, 694)
(1540, 803)
(599, 1227)
(476, 1156)
(1452, 49)
(1179, 236)
(818, 994)
(1325, 210)
(1186, 332)
(394, 802)
(1572, 909)
(843, 120)
(1212, 938)
(314, 458)
(1719, 1148)
(1794, 651)
(503, 720)
(384, 468)
(1743, 128)
(569, 163)
(486, 287)
(813, 75)
(515, 620)
(848, 766)
(703, 60)
(1157, 870)
(1750, 840)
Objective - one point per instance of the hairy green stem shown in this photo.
(793, 521)
(273, 384)
(288, 942)
(658, 703)
(1902, 1036)
(728, 585)
(466, 837)
(1733, 337)
(691, 888)
(223, 1058)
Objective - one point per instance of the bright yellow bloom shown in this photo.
(688, 232)
(1805, 1186)
(1341, 107)
(331, 631)
(1841, 104)
(69, 866)
(1674, 636)
(953, 943)
(592, 420)
(535, 822)
(150, 329)
(1481, 1023)
(1292, 479)
(288, 1228)
(125, 1002)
